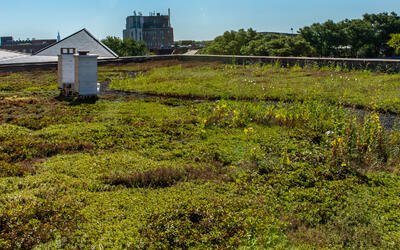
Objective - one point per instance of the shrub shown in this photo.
(9, 170)
(24, 226)
(199, 223)
(363, 146)
(164, 177)
(29, 147)
(153, 178)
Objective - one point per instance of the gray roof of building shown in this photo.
(29, 59)
(81, 40)
(7, 55)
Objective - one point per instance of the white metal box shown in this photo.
(85, 74)
(66, 69)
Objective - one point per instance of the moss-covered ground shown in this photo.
(203, 161)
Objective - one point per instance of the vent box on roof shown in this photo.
(77, 73)
(85, 73)
(66, 71)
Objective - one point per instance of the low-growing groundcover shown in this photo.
(196, 172)
(334, 85)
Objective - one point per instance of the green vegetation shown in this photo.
(394, 42)
(206, 163)
(269, 82)
(366, 37)
(126, 47)
(255, 44)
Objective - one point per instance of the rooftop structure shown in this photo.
(155, 29)
(5, 39)
(25, 46)
(81, 40)
(77, 73)
(8, 55)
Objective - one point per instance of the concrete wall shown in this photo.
(383, 65)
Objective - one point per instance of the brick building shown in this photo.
(25, 46)
(155, 30)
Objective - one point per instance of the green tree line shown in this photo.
(372, 36)
(126, 47)
(256, 44)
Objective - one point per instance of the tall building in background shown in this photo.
(155, 29)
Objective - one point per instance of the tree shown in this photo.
(358, 34)
(256, 44)
(326, 38)
(278, 45)
(126, 47)
(255, 47)
(383, 25)
(394, 42)
(114, 43)
(231, 42)
(130, 47)
(299, 46)
(366, 37)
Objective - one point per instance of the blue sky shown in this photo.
(191, 19)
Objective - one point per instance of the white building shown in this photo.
(80, 41)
